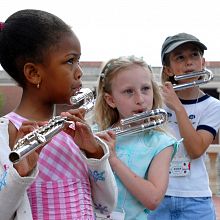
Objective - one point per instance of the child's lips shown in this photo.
(138, 111)
(190, 71)
(76, 90)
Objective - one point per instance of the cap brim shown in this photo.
(177, 44)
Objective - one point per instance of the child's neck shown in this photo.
(190, 93)
(35, 112)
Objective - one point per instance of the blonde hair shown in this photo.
(106, 116)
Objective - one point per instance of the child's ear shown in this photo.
(109, 100)
(32, 74)
(203, 62)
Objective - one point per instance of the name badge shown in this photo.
(180, 167)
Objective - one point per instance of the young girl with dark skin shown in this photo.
(41, 53)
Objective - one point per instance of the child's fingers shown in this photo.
(107, 135)
(74, 114)
(111, 133)
(83, 126)
(27, 127)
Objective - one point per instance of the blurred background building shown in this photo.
(10, 93)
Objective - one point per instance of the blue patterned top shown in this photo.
(137, 151)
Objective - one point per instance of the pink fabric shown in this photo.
(62, 188)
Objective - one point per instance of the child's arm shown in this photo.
(151, 191)
(148, 192)
(14, 180)
(13, 191)
(195, 142)
(103, 184)
(28, 163)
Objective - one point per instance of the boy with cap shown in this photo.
(194, 116)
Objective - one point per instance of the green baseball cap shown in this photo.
(174, 41)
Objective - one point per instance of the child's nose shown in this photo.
(189, 61)
(78, 73)
(139, 99)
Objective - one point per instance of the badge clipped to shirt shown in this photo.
(118, 214)
(180, 167)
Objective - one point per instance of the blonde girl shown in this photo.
(140, 161)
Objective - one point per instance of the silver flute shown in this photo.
(205, 77)
(141, 122)
(83, 99)
(39, 137)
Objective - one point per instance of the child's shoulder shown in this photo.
(159, 140)
(4, 125)
(3, 122)
(160, 136)
(209, 103)
(208, 99)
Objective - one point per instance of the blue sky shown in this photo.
(111, 28)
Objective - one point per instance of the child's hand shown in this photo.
(169, 96)
(110, 138)
(27, 164)
(82, 134)
(75, 116)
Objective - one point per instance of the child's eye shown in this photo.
(179, 58)
(195, 54)
(70, 61)
(73, 60)
(128, 91)
(145, 88)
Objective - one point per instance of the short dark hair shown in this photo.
(26, 37)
